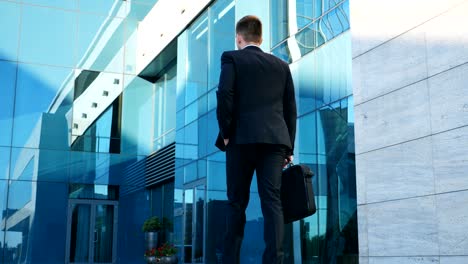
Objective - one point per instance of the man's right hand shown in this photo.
(288, 160)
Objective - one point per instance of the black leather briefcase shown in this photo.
(297, 195)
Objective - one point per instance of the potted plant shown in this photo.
(151, 227)
(150, 256)
(166, 254)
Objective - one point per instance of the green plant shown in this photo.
(152, 225)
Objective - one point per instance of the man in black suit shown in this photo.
(257, 121)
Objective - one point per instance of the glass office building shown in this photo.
(91, 146)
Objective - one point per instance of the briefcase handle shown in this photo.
(310, 173)
(289, 165)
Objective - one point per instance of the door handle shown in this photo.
(96, 236)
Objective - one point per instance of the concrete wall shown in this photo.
(410, 84)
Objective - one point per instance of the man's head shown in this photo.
(248, 31)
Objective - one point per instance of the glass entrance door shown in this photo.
(92, 227)
(194, 231)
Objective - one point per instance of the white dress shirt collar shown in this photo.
(252, 45)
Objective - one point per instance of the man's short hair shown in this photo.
(250, 28)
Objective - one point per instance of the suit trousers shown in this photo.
(241, 162)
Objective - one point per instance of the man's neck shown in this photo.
(251, 45)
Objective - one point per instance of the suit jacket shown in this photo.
(256, 102)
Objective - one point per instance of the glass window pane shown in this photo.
(188, 226)
(131, 44)
(3, 214)
(222, 36)
(282, 52)
(182, 58)
(104, 233)
(24, 164)
(306, 39)
(191, 171)
(180, 119)
(157, 201)
(134, 209)
(67, 4)
(168, 201)
(304, 12)
(279, 21)
(104, 7)
(203, 137)
(100, 168)
(212, 101)
(100, 43)
(29, 222)
(335, 23)
(305, 79)
(197, 75)
(216, 208)
(7, 90)
(329, 4)
(178, 235)
(9, 15)
(310, 246)
(59, 171)
(4, 163)
(202, 163)
(253, 243)
(79, 237)
(202, 105)
(326, 29)
(40, 113)
(217, 176)
(199, 224)
(54, 46)
(33, 164)
(212, 133)
(137, 110)
(93, 191)
(333, 77)
(318, 8)
(164, 106)
(307, 137)
(191, 113)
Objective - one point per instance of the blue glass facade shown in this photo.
(76, 128)
(81, 130)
